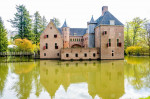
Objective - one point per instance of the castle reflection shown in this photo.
(105, 78)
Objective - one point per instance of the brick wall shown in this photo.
(76, 40)
(51, 52)
(113, 33)
(70, 53)
(85, 40)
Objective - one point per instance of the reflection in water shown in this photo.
(3, 75)
(138, 71)
(105, 79)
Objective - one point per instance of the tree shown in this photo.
(22, 23)
(3, 77)
(147, 35)
(44, 23)
(37, 27)
(3, 37)
(136, 25)
(127, 35)
(25, 45)
(56, 21)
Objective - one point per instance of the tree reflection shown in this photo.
(137, 71)
(3, 76)
(23, 86)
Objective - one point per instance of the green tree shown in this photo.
(3, 77)
(147, 35)
(136, 25)
(37, 29)
(3, 37)
(44, 23)
(22, 23)
(56, 21)
(127, 35)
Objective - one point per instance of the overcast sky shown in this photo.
(77, 12)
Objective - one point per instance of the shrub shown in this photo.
(136, 50)
(25, 45)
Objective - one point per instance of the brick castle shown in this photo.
(102, 39)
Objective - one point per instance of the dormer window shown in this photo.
(75, 34)
(112, 22)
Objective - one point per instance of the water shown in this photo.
(46, 79)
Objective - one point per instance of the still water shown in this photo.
(48, 79)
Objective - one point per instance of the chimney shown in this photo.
(104, 9)
(52, 20)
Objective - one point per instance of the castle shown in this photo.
(102, 39)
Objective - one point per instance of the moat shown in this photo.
(46, 79)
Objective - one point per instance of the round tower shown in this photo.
(91, 38)
(65, 33)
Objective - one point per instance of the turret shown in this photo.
(91, 38)
(65, 33)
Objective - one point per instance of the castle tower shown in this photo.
(65, 33)
(91, 38)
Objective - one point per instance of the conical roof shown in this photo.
(92, 20)
(65, 24)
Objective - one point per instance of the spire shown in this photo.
(65, 24)
(92, 20)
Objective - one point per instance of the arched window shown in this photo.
(46, 46)
(77, 40)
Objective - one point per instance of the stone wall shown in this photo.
(113, 33)
(79, 53)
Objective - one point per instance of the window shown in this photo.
(75, 39)
(79, 40)
(94, 54)
(104, 32)
(112, 52)
(55, 36)
(56, 47)
(55, 44)
(50, 27)
(109, 42)
(75, 34)
(85, 54)
(112, 22)
(46, 46)
(117, 42)
(76, 55)
(71, 40)
(57, 54)
(44, 54)
(65, 29)
(67, 55)
(45, 36)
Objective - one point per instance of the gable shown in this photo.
(51, 29)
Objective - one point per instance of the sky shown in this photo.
(76, 12)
